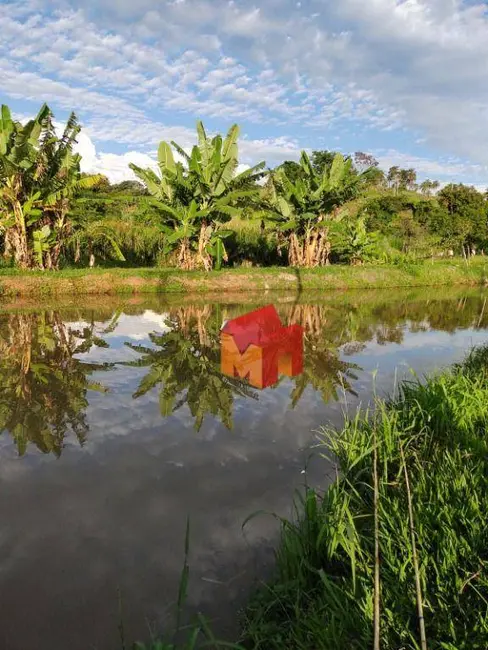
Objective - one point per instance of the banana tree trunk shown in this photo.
(8, 248)
(312, 250)
(185, 257)
(62, 229)
(53, 256)
(91, 262)
(20, 249)
(204, 259)
(18, 241)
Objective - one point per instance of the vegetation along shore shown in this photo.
(201, 209)
(116, 281)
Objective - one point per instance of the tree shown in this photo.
(97, 237)
(302, 210)
(393, 177)
(292, 169)
(411, 235)
(60, 180)
(428, 187)
(411, 179)
(102, 185)
(355, 244)
(17, 194)
(376, 178)
(407, 179)
(199, 197)
(363, 161)
(130, 187)
(468, 220)
(39, 175)
(379, 212)
(401, 179)
(322, 160)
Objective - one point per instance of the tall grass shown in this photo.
(431, 516)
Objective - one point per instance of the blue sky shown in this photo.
(406, 81)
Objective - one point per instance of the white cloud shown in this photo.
(442, 168)
(116, 166)
(398, 71)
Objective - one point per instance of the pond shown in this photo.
(118, 425)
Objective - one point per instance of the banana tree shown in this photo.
(59, 179)
(204, 191)
(302, 209)
(187, 232)
(39, 174)
(18, 151)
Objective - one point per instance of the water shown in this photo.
(118, 425)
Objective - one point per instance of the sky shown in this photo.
(404, 80)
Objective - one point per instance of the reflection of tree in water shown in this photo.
(323, 370)
(185, 364)
(353, 325)
(43, 390)
(439, 314)
(43, 386)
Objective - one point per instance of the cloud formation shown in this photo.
(409, 76)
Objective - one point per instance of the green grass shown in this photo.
(128, 281)
(433, 435)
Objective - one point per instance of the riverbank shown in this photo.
(127, 281)
(406, 520)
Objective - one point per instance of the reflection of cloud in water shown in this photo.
(139, 327)
(132, 327)
(432, 340)
(129, 328)
(267, 418)
(112, 514)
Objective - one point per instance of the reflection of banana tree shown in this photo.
(185, 364)
(43, 386)
(323, 370)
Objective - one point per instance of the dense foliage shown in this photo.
(197, 209)
(39, 175)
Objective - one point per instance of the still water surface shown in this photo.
(117, 425)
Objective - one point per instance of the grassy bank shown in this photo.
(128, 281)
(411, 501)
